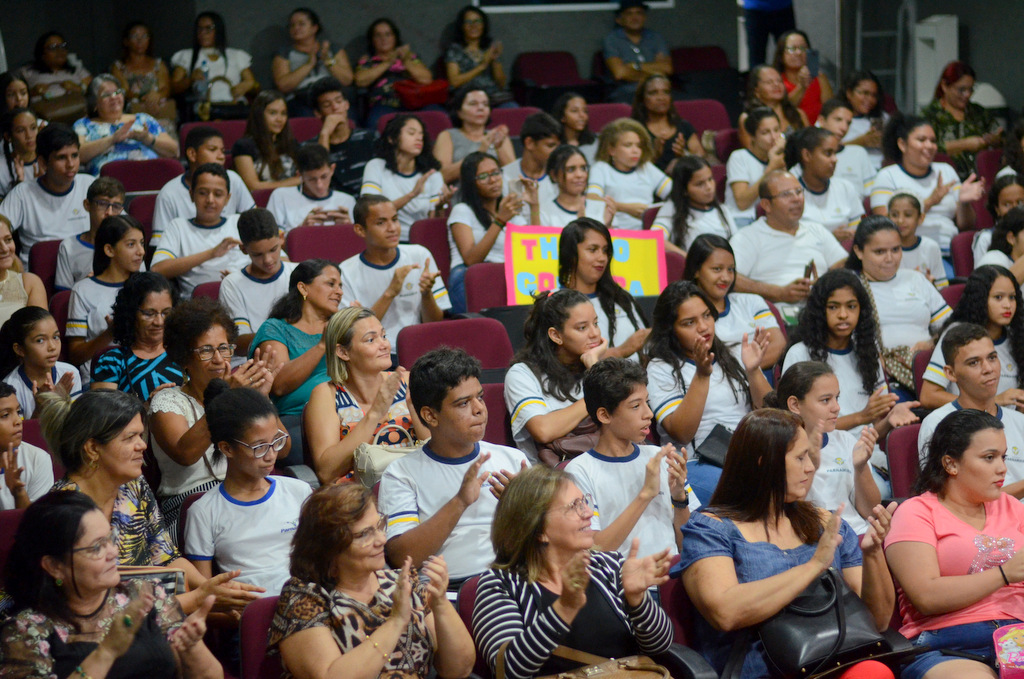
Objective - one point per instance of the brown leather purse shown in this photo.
(631, 667)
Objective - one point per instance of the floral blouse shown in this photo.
(382, 91)
(129, 149)
(977, 121)
(305, 605)
(350, 414)
(33, 645)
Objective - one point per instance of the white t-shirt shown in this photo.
(38, 475)
(994, 257)
(1007, 372)
(925, 257)
(42, 215)
(74, 262)
(290, 205)
(254, 537)
(744, 313)
(859, 126)
(624, 328)
(23, 385)
(230, 67)
(249, 299)
(176, 479)
(365, 283)
(699, 222)
(463, 214)
(743, 166)
(938, 222)
(1005, 171)
(833, 483)
(379, 180)
(184, 237)
(855, 166)
(980, 244)
(174, 201)
(840, 205)
(92, 301)
(908, 305)
(721, 407)
(7, 179)
(546, 189)
(553, 214)
(614, 482)
(1013, 428)
(415, 487)
(643, 184)
(526, 398)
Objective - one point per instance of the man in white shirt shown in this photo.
(105, 198)
(433, 497)
(852, 161)
(51, 206)
(540, 134)
(313, 202)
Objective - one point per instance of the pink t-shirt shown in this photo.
(962, 550)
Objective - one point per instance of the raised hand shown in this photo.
(829, 541)
(652, 473)
(124, 627)
(901, 414)
(387, 392)
(940, 191)
(703, 357)
(230, 595)
(427, 279)
(864, 447)
(11, 471)
(575, 578)
(880, 403)
(436, 571)
(878, 527)
(753, 348)
(677, 475)
(395, 287)
(610, 208)
(638, 575)
(510, 207)
(777, 155)
(401, 602)
(192, 630)
(122, 133)
(472, 481)
(499, 480)
(971, 189)
(417, 188)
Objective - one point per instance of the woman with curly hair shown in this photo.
(992, 300)
(264, 156)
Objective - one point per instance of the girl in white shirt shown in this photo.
(830, 201)
(693, 208)
(29, 349)
(747, 167)
(626, 173)
(570, 109)
(919, 254)
(18, 162)
(1007, 192)
(569, 169)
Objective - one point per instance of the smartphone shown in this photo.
(809, 269)
(813, 62)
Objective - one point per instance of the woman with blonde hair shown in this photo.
(626, 173)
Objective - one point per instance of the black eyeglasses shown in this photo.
(115, 208)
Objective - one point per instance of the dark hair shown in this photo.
(220, 38)
(311, 156)
(898, 129)
(540, 126)
(14, 331)
(189, 320)
(856, 78)
(6, 78)
(7, 134)
(609, 293)
(387, 145)
(953, 71)
(53, 138)
(780, 48)
(911, 198)
(197, 136)
(1011, 222)
(7, 390)
(126, 34)
(952, 438)
(609, 382)
(792, 113)
(460, 37)
(830, 106)
(313, 17)
(230, 412)
(40, 47)
(959, 336)
(805, 139)
(558, 112)
(459, 98)
(752, 487)
(105, 187)
(992, 204)
(130, 297)
(797, 381)
(216, 169)
(325, 530)
(702, 247)
(662, 342)
(639, 111)
(289, 307)
(560, 157)
(110, 232)
(257, 223)
(324, 86)
(97, 415)
(551, 310)
(755, 116)
(437, 372)
(813, 326)
(1013, 153)
(369, 33)
(361, 211)
(468, 192)
(682, 173)
(866, 230)
(271, 148)
(49, 527)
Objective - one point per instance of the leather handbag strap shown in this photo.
(581, 657)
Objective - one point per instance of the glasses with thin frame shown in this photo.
(583, 506)
(113, 93)
(796, 49)
(792, 193)
(260, 450)
(484, 176)
(97, 549)
(114, 208)
(206, 351)
(366, 536)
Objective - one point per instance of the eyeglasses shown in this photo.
(58, 47)
(792, 193)
(260, 450)
(365, 536)
(96, 550)
(473, 22)
(484, 176)
(105, 205)
(150, 314)
(583, 506)
(113, 93)
(796, 50)
(206, 351)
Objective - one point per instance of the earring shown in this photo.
(58, 582)
(303, 297)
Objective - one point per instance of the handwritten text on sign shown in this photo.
(531, 261)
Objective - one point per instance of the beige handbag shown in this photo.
(631, 667)
(371, 459)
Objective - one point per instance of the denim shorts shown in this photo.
(974, 638)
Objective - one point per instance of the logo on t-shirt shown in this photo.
(992, 552)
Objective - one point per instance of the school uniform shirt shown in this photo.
(290, 205)
(40, 214)
(23, 385)
(643, 184)
(624, 328)
(839, 206)
(463, 214)
(254, 537)
(1008, 368)
(665, 394)
(614, 482)
(526, 398)
(938, 222)
(855, 166)
(7, 179)
(742, 166)
(714, 220)
(416, 486)
(859, 126)
(908, 305)
(380, 181)
(546, 189)
(184, 237)
(91, 302)
(743, 313)
(1013, 428)
(38, 475)
(74, 262)
(365, 283)
(249, 299)
(924, 256)
(994, 257)
(980, 244)
(553, 214)
(833, 483)
(174, 201)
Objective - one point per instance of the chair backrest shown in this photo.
(186, 504)
(10, 519)
(512, 117)
(513, 319)
(143, 175)
(304, 129)
(778, 319)
(546, 68)
(904, 463)
(921, 359)
(988, 162)
(704, 114)
(982, 217)
(485, 286)
(209, 289)
(952, 293)
(230, 130)
(676, 603)
(261, 197)
(499, 423)
(432, 234)
(434, 122)
(650, 214)
(59, 303)
(253, 630)
(602, 114)
(336, 243)
(726, 141)
(142, 208)
(718, 172)
(961, 253)
(32, 432)
(698, 58)
(464, 333)
(675, 263)
(42, 261)
(464, 603)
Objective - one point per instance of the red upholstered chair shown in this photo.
(183, 517)
(434, 122)
(59, 303)
(499, 423)
(142, 208)
(602, 114)
(680, 611)
(335, 243)
(304, 129)
(982, 217)
(261, 197)
(704, 114)
(961, 253)
(42, 261)
(726, 141)
(539, 78)
(512, 117)
(650, 214)
(143, 175)
(778, 319)
(904, 463)
(485, 286)
(464, 605)
(210, 289)
(698, 58)
(675, 263)
(32, 432)
(988, 163)
(256, 619)
(483, 338)
(921, 360)
(230, 130)
(952, 293)
(433, 235)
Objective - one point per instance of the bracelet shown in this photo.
(680, 504)
(387, 656)
(499, 222)
(82, 673)
(1003, 573)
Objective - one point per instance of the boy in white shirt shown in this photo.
(250, 293)
(205, 248)
(313, 202)
(26, 470)
(638, 491)
(852, 161)
(433, 496)
(384, 277)
(105, 198)
(540, 134)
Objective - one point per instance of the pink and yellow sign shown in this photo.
(531, 261)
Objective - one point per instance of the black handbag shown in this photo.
(715, 445)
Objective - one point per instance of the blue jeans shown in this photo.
(974, 638)
(703, 478)
(457, 288)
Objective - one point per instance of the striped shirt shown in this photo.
(134, 375)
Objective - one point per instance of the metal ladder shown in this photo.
(902, 72)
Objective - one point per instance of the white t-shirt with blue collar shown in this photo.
(553, 214)
(184, 237)
(546, 189)
(379, 180)
(743, 313)
(833, 483)
(249, 299)
(175, 200)
(1013, 428)
(40, 214)
(23, 385)
(1008, 368)
(924, 256)
(643, 184)
(291, 204)
(839, 206)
